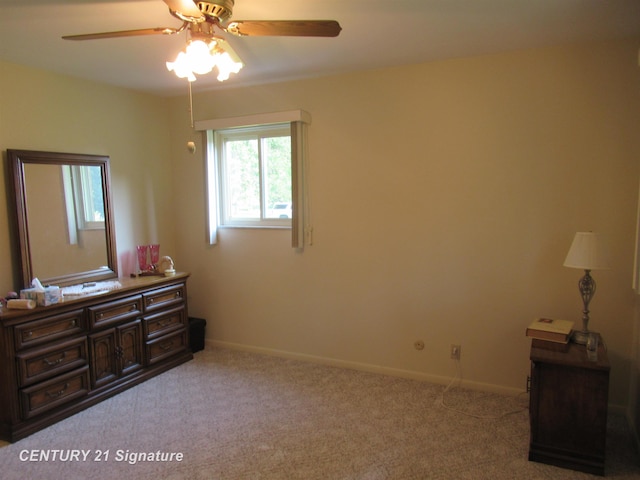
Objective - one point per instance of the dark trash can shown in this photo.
(196, 333)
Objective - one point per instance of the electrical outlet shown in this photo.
(455, 352)
(418, 345)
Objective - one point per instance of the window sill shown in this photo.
(258, 227)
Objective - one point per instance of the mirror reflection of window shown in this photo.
(87, 183)
(84, 199)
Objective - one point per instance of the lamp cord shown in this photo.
(458, 377)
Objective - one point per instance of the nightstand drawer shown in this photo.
(39, 364)
(115, 312)
(51, 328)
(55, 392)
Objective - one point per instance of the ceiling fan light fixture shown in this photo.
(201, 56)
(226, 66)
(181, 67)
(228, 61)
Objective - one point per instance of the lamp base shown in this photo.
(580, 337)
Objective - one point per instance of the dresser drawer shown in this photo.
(42, 363)
(164, 297)
(166, 346)
(55, 392)
(114, 312)
(50, 328)
(164, 322)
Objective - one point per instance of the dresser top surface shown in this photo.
(127, 285)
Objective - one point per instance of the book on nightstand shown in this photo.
(551, 329)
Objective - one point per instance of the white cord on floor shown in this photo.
(458, 377)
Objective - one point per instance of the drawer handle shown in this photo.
(55, 362)
(166, 347)
(73, 323)
(59, 393)
(178, 294)
(29, 334)
(132, 308)
(151, 301)
(162, 324)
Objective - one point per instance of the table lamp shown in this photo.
(587, 252)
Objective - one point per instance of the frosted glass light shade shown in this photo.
(200, 57)
(587, 252)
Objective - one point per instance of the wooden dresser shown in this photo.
(568, 406)
(61, 359)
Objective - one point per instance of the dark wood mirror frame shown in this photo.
(17, 160)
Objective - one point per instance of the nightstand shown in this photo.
(568, 406)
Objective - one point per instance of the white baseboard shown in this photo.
(365, 367)
(395, 372)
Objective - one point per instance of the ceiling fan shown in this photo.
(205, 50)
(217, 12)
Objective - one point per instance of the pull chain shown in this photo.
(190, 103)
(191, 146)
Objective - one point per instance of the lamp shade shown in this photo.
(587, 252)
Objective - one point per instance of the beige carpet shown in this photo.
(237, 415)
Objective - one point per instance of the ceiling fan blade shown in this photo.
(285, 28)
(124, 33)
(185, 10)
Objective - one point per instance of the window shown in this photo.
(255, 173)
(255, 176)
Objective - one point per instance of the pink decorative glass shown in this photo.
(154, 251)
(142, 257)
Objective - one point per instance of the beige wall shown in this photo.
(444, 198)
(44, 111)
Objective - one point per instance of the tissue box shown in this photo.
(50, 295)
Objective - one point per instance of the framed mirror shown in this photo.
(63, 217)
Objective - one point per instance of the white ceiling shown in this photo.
(376, 33)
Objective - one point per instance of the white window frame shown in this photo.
(301, 229)
(259, 132)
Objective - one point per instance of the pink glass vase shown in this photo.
(154, 252)
(142, 257)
